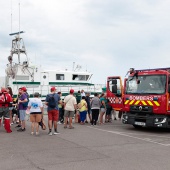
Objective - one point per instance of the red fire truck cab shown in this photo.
(144, 99)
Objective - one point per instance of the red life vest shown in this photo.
(5, 99)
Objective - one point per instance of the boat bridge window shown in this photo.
(80, 77)
(59, 76)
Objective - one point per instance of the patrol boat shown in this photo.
(20, 72)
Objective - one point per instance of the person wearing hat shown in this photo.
(52, 101)
(22, 107)
(70, 106)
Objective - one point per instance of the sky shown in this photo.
(105, 37)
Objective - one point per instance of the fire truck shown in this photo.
(144, 97)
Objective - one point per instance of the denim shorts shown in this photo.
(22, 114)
(103, 110)
(10, 108)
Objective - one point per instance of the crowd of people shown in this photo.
(79, 106)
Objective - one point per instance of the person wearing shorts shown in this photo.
(36, 109)
(53, 113)
(103, 107)
(70, 106)
(22, 110)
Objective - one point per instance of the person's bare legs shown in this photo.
(70, 121)
(11, 118)
(101, 117)
(23, 124)
(55, 124)
(65, 121)
(50, 124)
(37, 128)
(32, 128)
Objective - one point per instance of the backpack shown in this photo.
(4, 99)
(52, 102)
(25, 104)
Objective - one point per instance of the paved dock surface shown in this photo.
(105, 147)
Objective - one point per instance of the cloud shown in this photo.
(105, 37)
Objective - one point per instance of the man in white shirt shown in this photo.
(70, 106)
(82, 93)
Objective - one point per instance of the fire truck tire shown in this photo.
(137, 126)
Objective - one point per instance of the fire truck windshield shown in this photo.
(146, 84)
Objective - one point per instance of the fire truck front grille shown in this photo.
(141, 109)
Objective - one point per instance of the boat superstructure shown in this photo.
(20, 72)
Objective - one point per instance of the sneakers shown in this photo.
(21, 130)
(50, 133)
(17, 126)
(56, 133)
(32, 133)
(37, 133)
(59, 123)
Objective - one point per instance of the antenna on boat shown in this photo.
(19, 16)
(73, 65)
(18, 48)
(11, 16)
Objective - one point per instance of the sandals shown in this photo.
(71, 127)
(37, 133)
